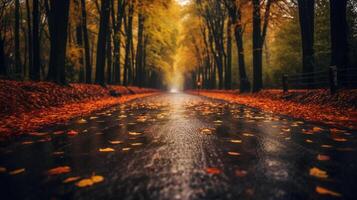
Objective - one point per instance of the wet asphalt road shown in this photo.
(179, 146)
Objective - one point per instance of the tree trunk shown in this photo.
(17, 39)
(244, 85)
(87, 55)
(128, 30)
(3, 69)
(109, 58)
(140, 50)
(228, 71)
(117, 24)
(29, 36)
(257, 48)
(35, 71)
(58, 26)
(102, 42)
(306, 16)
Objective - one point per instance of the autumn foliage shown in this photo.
(28, 106)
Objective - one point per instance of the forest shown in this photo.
(212, 44)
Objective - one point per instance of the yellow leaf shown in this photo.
(236, 141)
(317, 129)
(84, 183)
(326, 146)
(206, 131)
(17, 171)
(325, 191)
(135, 133)
(136, 144)
(71, 179)
(248, 135)
(318, 173)
(97, 179)
(116, 142)
(309, 141)
(106, 150)
(59, 170)
(126, 149)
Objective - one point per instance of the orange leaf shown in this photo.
(325, 191)
(212, 170)
(59, 170)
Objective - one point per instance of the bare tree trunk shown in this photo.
(306, 16)
(87, 55)
(35, 71)
(17, 39)
(29, 36)
(58, 26)
(140, 51)
(102, 42)
(228, 71)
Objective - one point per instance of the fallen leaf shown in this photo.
(248, 135)
(213, 171)
(58, 132)
(318, 173)
(325, 191)
(59, 170)
(340, 139)
(309, 141)
(90, 181)
(126, 149)
(236, 141)
(136, 144)
(321, 157)
(37, 134)
(27, 142)
(135, 133)
(97, 179)
(85, 183)
(206, 131)
(326, 146)
(81, 121)
(17, 171)
(71, 179)
(232, 153)
(106, 150)
(241, 173)
(116, 142)
(317, 129)
(72, 133)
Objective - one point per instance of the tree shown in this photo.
(306, 16)
(117, 25)
(235, 13)
(58, 13)
(228, 70)
(17, 38)
(339, 43)
(87, 55)
(259, 35)
(102, 42)
(36, 60)
(128, 43)
(140, 51)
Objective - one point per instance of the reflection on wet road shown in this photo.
(178, 146)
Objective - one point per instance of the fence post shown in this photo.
(333, 79)
(285, 83)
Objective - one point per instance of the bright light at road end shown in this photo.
(174, 90)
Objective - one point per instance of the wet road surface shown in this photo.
(179, 146)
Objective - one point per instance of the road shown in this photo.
(180, 146)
